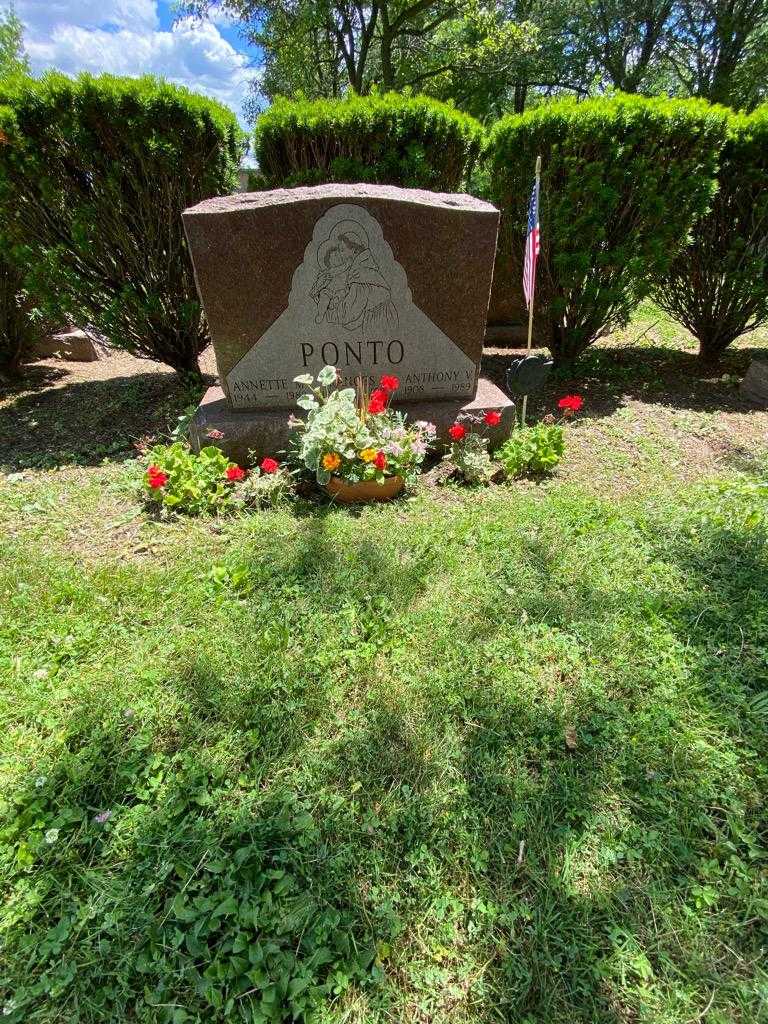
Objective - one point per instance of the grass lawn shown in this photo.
(473, 757)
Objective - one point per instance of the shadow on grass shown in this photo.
(84, 422)
(653, 374)
(34, 377)
(283, 853)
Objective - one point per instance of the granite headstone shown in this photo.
(370, 279)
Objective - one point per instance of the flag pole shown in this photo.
(533, 290)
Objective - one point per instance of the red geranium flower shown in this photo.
(457, 431)
(269, 465)
(571, 403)
(380, 461)
(235, 473)
(492, 418)
(378, 402)
(156, 478)
(390, 383)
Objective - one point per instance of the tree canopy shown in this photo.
(492, 56)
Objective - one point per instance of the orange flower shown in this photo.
(331, 461)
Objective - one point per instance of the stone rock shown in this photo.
(372, 279)
(250, 435)
(74, 346)
(754, 387)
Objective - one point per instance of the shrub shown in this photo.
(718, 286)
(390, 139)
(622, 180)
(94, 174)
(532, 451)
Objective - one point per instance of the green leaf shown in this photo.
(226, 907)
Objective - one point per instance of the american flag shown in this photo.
(532, 246)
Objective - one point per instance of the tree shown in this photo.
(323, 48)
(497, 58)
(301, 57)
(13, 58)
(717, 49)
(620, 40)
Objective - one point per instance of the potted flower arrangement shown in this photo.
(358, 448)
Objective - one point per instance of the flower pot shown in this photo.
(364, 491)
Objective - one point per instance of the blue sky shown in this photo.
(134, 37)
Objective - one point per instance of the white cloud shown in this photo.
(121, 37)
(43, 15)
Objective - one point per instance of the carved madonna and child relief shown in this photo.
(349, 289)
(350, 306)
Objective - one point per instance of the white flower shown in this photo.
(40, 781)
(51, 836)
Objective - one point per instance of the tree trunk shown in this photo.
(521, 93)
(10, 366)
(711, 347)
(387, 67)
(566, 347)
(186, 364)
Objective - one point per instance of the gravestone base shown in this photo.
(251, 435)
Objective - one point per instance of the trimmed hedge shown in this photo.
(622, 181)
(414, 142)
(94, 175)
(718, 286)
